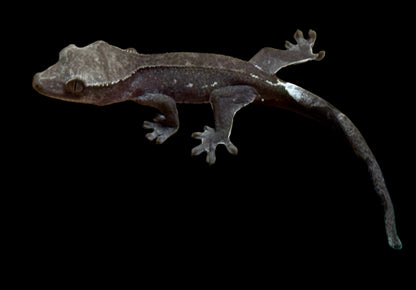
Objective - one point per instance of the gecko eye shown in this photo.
(75, 86)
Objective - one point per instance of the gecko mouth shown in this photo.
(48, 87)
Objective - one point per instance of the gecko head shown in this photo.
(81, 70)
(60, 81)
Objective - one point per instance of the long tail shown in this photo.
(312, 106)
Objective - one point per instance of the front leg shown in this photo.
(225, 103)
(164, 125)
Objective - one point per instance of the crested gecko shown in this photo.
(102, 74)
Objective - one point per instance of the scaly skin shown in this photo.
(102, 74)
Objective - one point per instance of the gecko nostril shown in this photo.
(35, 81)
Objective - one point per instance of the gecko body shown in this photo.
(102, 74)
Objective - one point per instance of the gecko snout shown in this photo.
(46, 85)
(35, 82)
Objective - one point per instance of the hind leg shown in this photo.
(272, 60)
(225, 103)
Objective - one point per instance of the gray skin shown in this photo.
(102, 74)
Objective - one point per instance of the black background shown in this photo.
(94, 198)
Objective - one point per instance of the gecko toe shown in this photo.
(159, 118)
(210, 139)
(196, 135)
(147, 125)
(298, 35)
(211, 158)
(197, 150)
(321, 55)
(289, 45)
(312, 36)
(231, 148)
(151, 136)
(160, 132)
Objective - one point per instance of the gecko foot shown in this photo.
(305, 45)
(210, 138)
(160, 132)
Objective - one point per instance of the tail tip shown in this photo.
(395, 243)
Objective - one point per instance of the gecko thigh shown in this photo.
(226, 101)
(233, 97)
